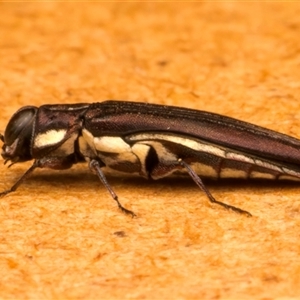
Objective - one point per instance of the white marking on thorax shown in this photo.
(50, 137)
(66, 148)
(114, 145)
(87, 140)
(85, 149)
(111, 144)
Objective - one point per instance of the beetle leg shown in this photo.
(21, 179)
(56, 163)
(201, 185)
(96, 165)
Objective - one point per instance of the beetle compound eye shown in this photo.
(20, 125)
(17, 135)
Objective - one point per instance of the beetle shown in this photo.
(149, 140)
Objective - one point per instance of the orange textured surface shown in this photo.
(61, 236)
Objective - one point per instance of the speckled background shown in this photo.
(61, 235)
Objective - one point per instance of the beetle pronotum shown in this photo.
(150, 140)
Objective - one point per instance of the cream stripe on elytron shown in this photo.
(50, 137)
(190, 143)
(202, 147)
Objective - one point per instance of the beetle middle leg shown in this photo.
(96, 166)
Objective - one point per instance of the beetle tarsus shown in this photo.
(125, 210)
(230, 207)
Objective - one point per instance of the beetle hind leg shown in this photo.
(201, 185)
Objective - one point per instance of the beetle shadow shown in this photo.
(177, 183)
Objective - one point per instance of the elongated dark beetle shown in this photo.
(150, 140)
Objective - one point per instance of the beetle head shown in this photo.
(17, 135)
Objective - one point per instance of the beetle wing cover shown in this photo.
(121, 118)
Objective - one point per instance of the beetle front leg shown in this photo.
(21, 179)
(57, 163)
(95, 165)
